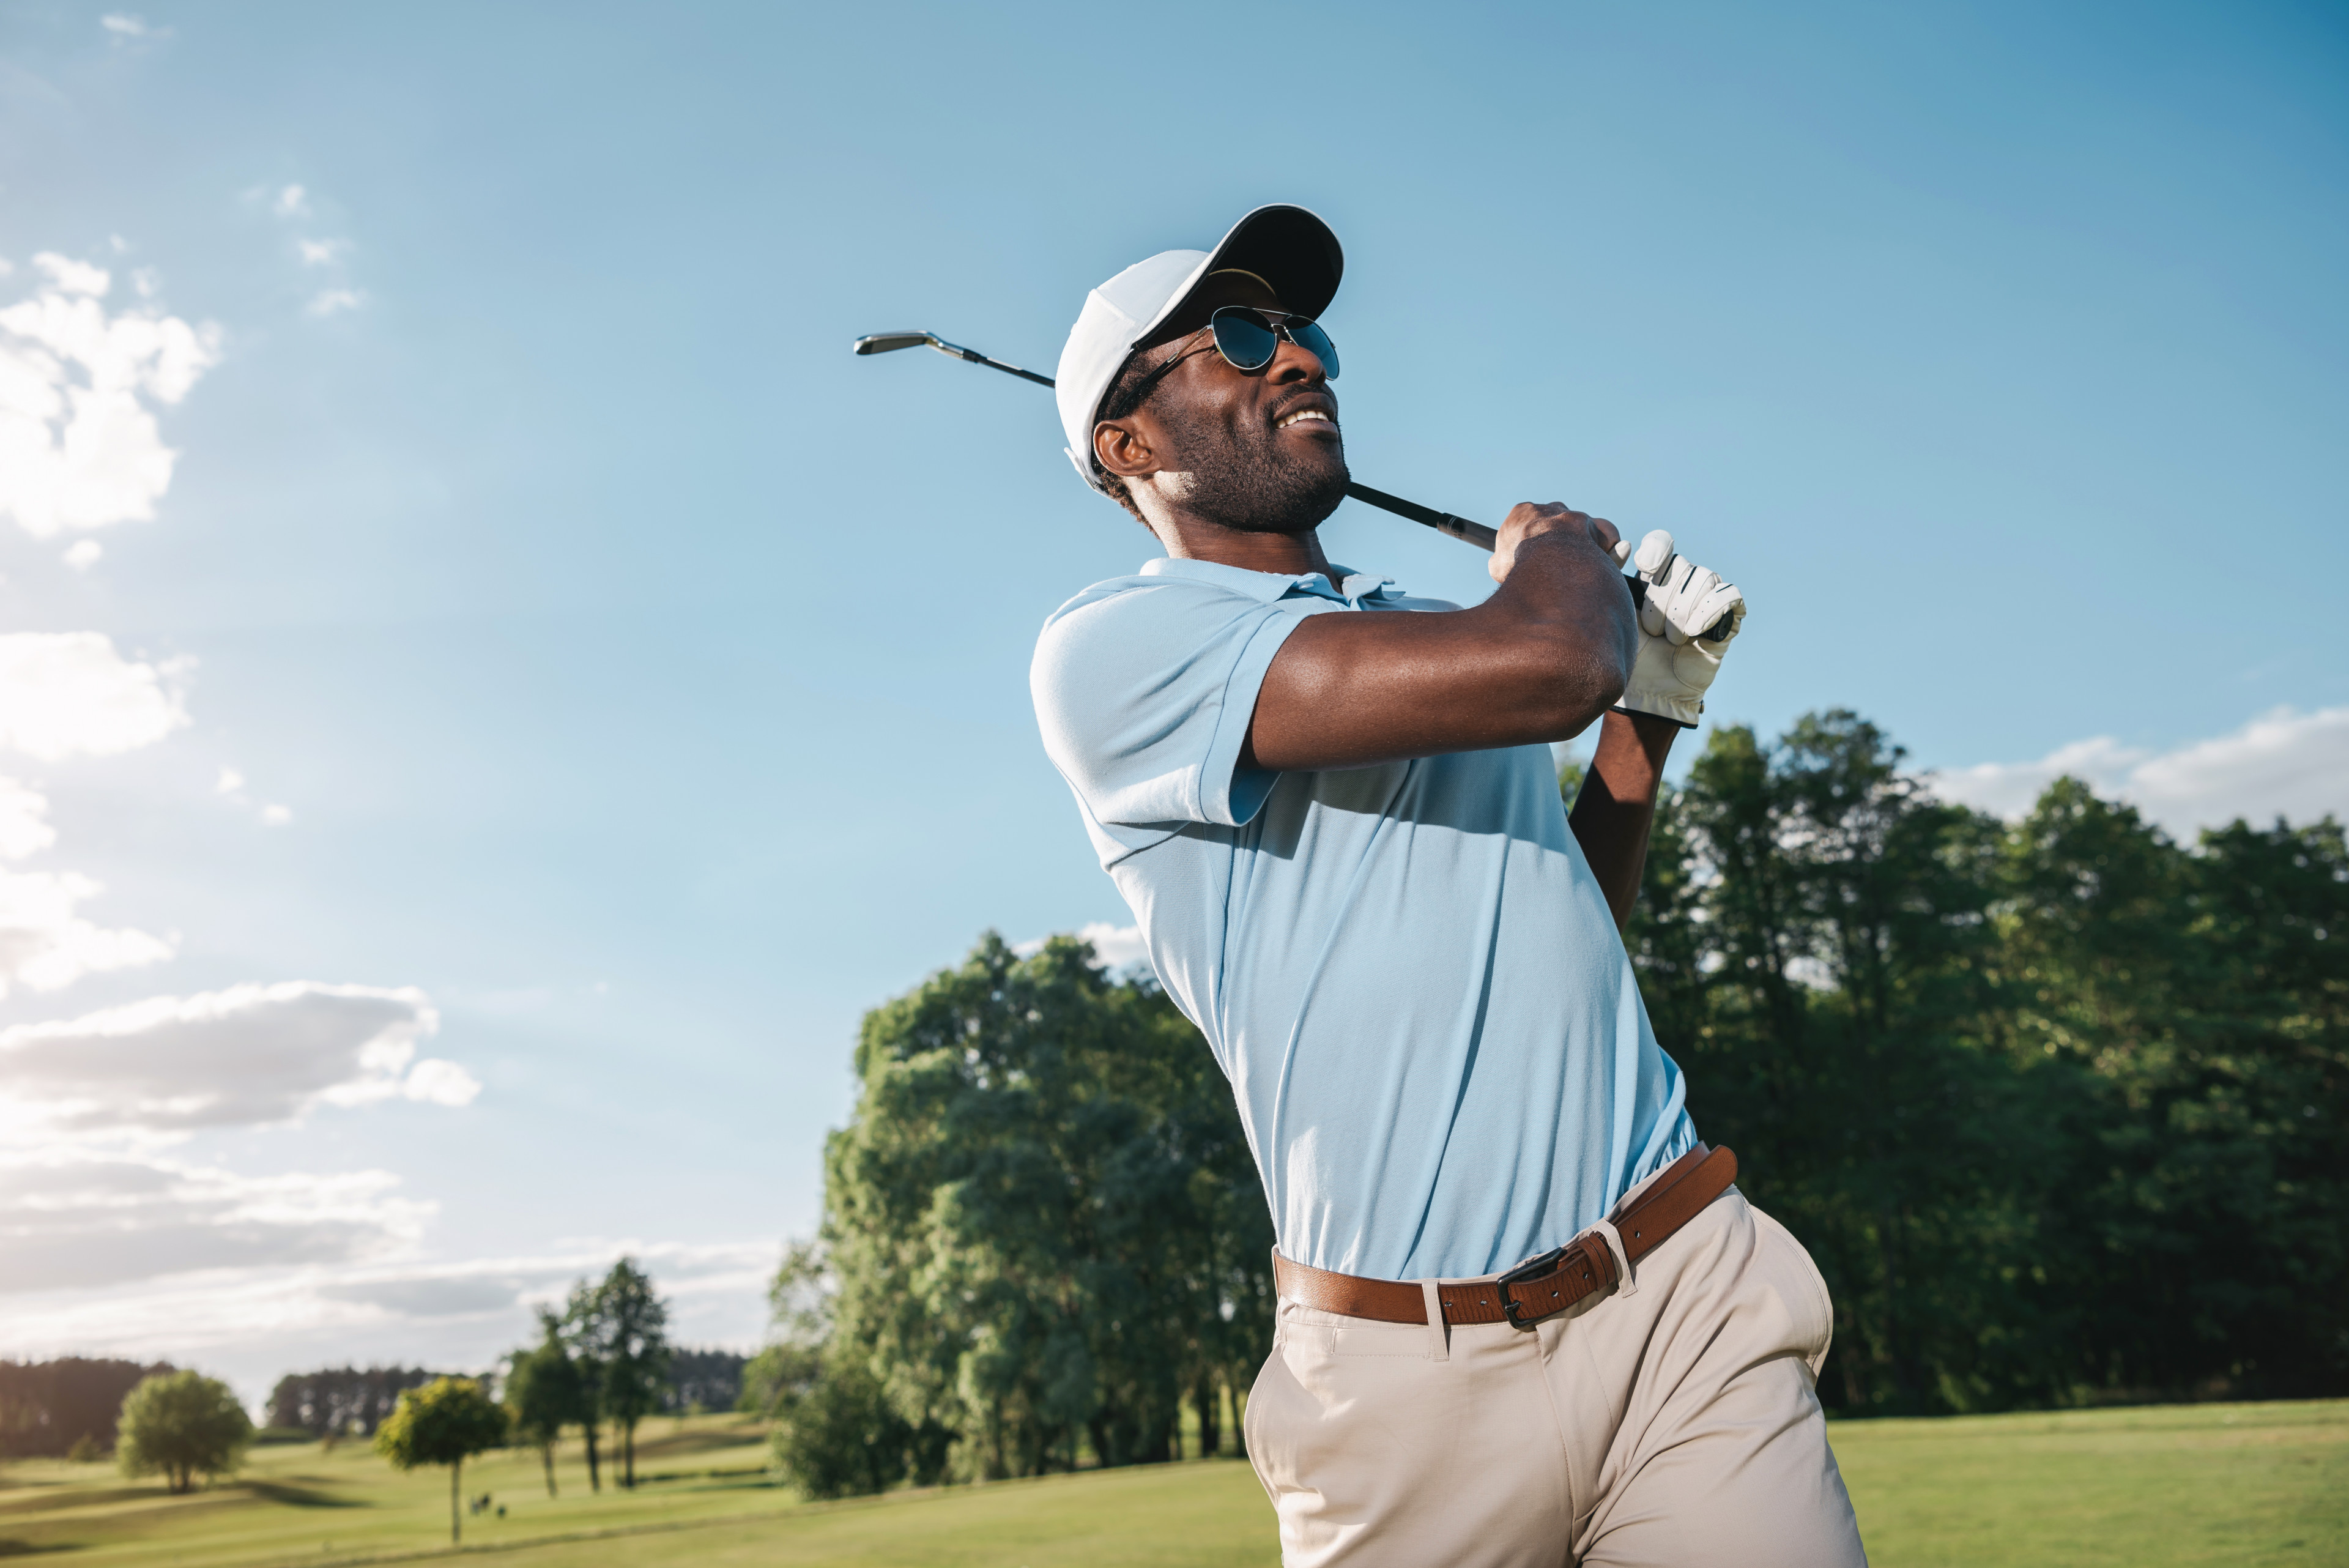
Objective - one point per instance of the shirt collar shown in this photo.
(1270, 586)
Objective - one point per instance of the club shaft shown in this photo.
(1459, 528)
(975, 358)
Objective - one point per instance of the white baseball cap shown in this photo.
(1290, 249)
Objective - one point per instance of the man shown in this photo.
(1332, 808)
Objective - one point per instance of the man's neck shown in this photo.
(1287, 554)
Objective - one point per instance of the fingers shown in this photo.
(1655, 553)
(1605, 533)
(1529, 520)
(1728, 621)
(1691, 601)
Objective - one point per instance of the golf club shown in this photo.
(1460, 528)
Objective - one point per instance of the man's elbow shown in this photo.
(1586, 682)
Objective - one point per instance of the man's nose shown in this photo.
(1292, 361)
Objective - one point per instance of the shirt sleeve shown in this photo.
(1144, 694)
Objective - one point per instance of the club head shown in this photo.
(888, 342)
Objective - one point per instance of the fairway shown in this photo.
(2233, 1484)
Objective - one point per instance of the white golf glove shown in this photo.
(1677, 660)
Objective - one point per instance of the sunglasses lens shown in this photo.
(1246, 338)
(1316, 342)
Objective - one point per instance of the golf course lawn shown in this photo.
(2147, 1487)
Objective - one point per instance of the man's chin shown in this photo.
(1292, 499)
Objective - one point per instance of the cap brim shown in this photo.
(1290, 247)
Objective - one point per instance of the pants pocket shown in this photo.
(1331, 1334)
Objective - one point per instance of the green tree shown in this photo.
(799, 1302)
(1043, 1219)
(620, 1325)
(2192, 1002)
(835, 1434)
(2061, 1108)
(583, 1335)
(180, 1423)
(445, 1422)
(545, 1392)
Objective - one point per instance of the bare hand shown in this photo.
(1528, 521)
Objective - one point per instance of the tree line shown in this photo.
(70, 1406)
(2060, 1107)
(342, 1401)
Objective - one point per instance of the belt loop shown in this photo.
(1625, 1285)
(1438, 1332)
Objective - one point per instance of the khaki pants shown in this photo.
(1670, 1421)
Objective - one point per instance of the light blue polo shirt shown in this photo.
(1407, 972)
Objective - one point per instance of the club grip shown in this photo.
(1485, 538)
(1460, 528)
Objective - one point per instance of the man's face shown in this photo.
(1261, 447)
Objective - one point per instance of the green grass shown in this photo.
(2174, 1485)
(2167, 1484)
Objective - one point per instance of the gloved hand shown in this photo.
(1683, 604)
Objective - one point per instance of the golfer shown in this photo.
(1524, 1317)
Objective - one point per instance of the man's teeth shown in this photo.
(1288, 420)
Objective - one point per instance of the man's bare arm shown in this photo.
(1538, 660)
(1618, 803)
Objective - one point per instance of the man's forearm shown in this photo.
(1618, 803)
(1536, 661)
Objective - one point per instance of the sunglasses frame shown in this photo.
(1280, 324)
(1280, 329)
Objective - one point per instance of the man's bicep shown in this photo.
(1353, 690)
(1144, 704)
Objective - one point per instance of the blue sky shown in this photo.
(551, 655)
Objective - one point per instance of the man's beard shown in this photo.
(1246, 483)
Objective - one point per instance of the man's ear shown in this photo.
(1122, 450)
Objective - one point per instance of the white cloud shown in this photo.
(44, 943)
(79, 1220)
(2283, 764)
(231, 786)
(24, 821)
(321, 253)
(249, 1055)
(291, 201)
(80, 446)
(1114, 946)
(67, 695)
(68, 276)
(123, 24)
(335, 301)
(438, 1083)
(253, 1323)
(83, 554)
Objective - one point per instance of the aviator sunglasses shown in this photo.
(1248, 338)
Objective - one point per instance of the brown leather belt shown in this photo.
(1539, 1286)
